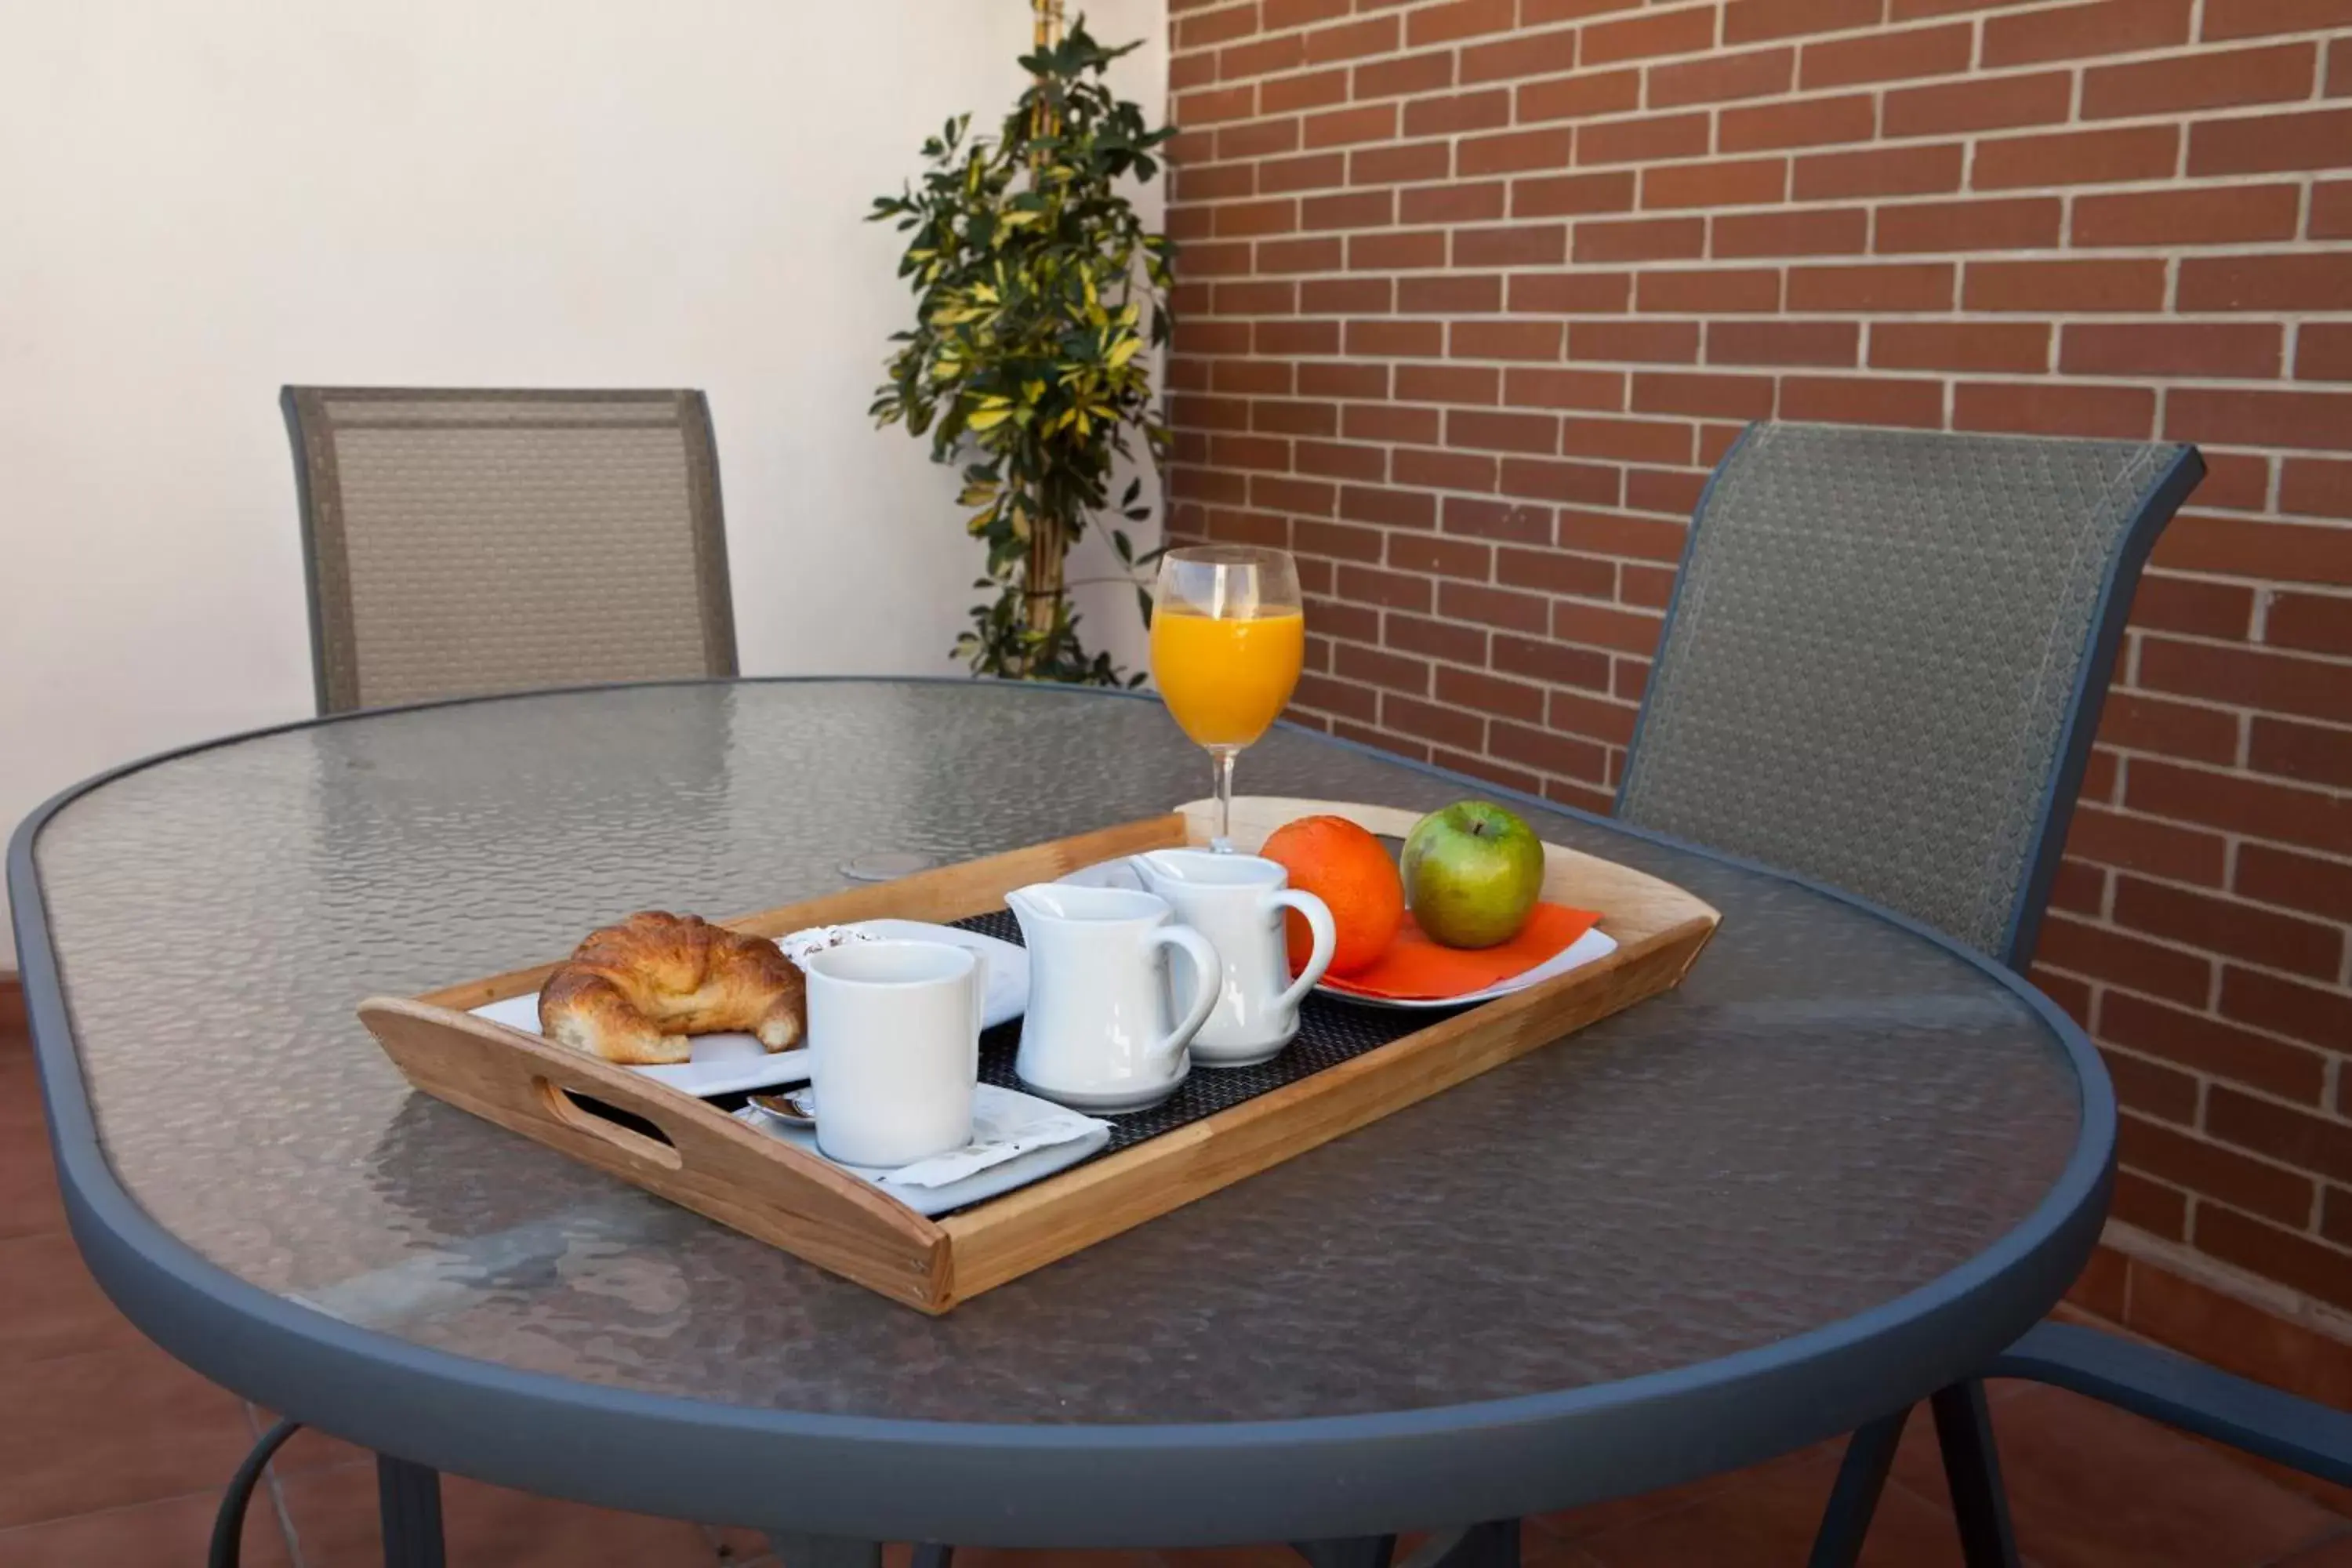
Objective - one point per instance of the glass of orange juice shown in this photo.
(1228, 635)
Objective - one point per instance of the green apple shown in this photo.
(1473, 872)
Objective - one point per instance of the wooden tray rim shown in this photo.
(689, 1121)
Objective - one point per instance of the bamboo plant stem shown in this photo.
(1048, 545)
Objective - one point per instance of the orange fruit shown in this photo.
(1347, 868)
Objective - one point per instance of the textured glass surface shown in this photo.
(1828, 1113)
(1875, 654)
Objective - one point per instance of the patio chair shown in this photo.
(1882, 669)
(462, 542)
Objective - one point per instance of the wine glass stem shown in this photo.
(1222, 759)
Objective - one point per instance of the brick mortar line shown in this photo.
(2320, 1181)
(2232, 838)
(2222, 892)
(2225, 890)
(2201, 640)
(2330, 1057)
(1748, 371)
(1624, 415)
(2185, 945)
(2071, 193)
(2233, 770)
(1794, 97)
(2186, 119)
(2268, 511)
(2156, 316)
(1628, 416)
(1542, 775)
(1733, 369)
(2309, 1231)
(1536, 683)
(2194, 43)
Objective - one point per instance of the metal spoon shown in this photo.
(793, 1108)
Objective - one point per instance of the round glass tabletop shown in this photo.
(1833, 1113)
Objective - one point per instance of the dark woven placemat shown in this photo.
(1329, 1032)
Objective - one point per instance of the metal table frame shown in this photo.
(857, 1480)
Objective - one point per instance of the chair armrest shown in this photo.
(2178, 1391)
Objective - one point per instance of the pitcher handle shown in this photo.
(1327, 940)
(1208, 974)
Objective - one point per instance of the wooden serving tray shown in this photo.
(709, 1162)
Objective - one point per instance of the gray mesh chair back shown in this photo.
(1885, 657)
(462, 542)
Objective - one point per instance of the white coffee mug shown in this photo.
(894, 1049)
(1237, 902)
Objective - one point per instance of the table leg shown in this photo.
(408, 1506)
(798, 1550)
(1972, 1470)
(1494, 1544)
(1854, 1498)
(1352, 1551)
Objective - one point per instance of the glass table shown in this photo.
(1841, 1167)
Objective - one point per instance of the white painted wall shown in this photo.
(200, 202)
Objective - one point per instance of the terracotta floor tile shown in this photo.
(20, 1084)
(739, 1547)
(175, 1530)
(50, 1306)
(333, 1513)
(28, 1186)
(1226, 1557)
(999, 1557)
(1768, 1522)
(109, 1429)
(1575, 1524)
(1542, 1551)
(2336, 1499)
(2091, 1486)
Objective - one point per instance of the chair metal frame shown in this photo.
(326, 564)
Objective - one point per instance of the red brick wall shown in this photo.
(1476, 291)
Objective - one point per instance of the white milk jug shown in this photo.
(1237, 902)
(1098, 1035)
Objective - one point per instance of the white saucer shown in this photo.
(724, 1064)
(1590, 948)
(1017, 1172)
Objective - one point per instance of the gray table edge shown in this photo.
(1034, 1485)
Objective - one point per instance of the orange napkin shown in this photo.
(1415, 969)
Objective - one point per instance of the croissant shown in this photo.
(633, 993)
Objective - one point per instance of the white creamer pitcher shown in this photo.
(1237, 902)
(1097, 1035)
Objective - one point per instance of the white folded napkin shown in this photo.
(798, 945)
(1005, 1124)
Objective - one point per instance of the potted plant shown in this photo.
(1040, 296)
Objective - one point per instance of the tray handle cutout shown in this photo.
(631, 1134)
